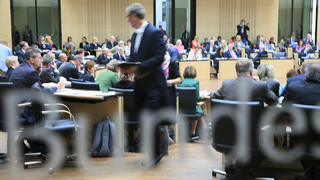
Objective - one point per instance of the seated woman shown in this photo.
(69, 49)
(179, 46)
(88, 71)
(11, 62)
(266, 73)
(94, 45)
(224, 45)
(219, 54)
(300, 46)
(83, 43)
(109, 77)
(195, 54)
(196, 42)
(49, 44)
(189, 74)
(125, 82)
(238, 44)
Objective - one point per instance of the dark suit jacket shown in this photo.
(244, 34)
(48, 75)
(207, 48)
(87, 77)
(109, 44)
(288, 41)
(58, 62)
(303, 54)
(70, 70)
(124, 85)
(310, 42)
(20, 55)
(274, 87)
(292, 79)
(258, 90)
(81, 45)
(102, 59)
(216, 43)
(24, 78)
(228, 54)
(303, 92)
(117, 56)
(174, 53)
(150, 75)
(9, 72)
(258, 44)
(42, 47)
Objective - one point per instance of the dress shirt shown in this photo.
(4, 53)
(242, 28)
(139, 33)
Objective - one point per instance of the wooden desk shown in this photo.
(281, 66)
(289, 51)
(311, 60)
(98, 52)
(243, 52)
(227, 68)
(296, 61)
(98, 71)
(95, 105)
(202, 67)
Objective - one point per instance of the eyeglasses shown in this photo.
(129, 15)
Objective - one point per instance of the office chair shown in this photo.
(131, 120)
(85, 85)
(74, 79)
(309, 160)
(188, 103)
(3, 78)
(87, 49)
(225, 135)
(278, 54)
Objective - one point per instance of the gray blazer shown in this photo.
(258, 90)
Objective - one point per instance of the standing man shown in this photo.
(242, 31)
(5, 51)
(150, 84)
(185, 37)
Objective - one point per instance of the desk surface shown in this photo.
(84, 94)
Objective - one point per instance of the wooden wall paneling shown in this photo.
(5, 21)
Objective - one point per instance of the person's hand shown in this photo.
(171, 81)
(256, 78)
(54, 65)
(202, 96)
(61, 84)
(130, 69)
(205, 52)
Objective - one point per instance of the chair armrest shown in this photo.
(59, 104)
(24, 104)
(63, 111)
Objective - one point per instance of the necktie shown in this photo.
(233, 55)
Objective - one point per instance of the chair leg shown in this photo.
(216, 171)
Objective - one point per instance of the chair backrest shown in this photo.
(311, 136)
(187, 99)
(128, 98)
(4, 88)
(86, 47)
(85, 85)
(74, 79)
(278, 54)
(3, 78)
(224, 128)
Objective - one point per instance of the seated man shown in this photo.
(40, 43)
(72, 68)
(104, 57)
(173, 52)
(299, 77)
(11, 62)
(120, 55)
(61, 59)
(305, 91)
(316, 48)
(49, 71)
(309, 40)
(258, 90)
(305, 53)
(26, 77)
(231, 53)
(195, 54)
(23, 47)
(112, 43)
(292, 41)
(209, 48)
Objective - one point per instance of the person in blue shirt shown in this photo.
(5, 51)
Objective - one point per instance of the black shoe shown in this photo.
(194, 136)
(152, 162)
(190, 140)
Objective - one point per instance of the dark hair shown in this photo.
(70, 58)
(84, 37)
(219, 37)
(254, 43)
(79, 51)
(22, 44)
(218, 50)
(129, 40)
(292, 72)
(190, 72)
(31, 53)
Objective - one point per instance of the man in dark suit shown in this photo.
(305, 91)
(218, 43)
(185, 37)
(72, 68)
(231, 53)
(49, 71)
(61, 59)
(112, 43)
(309, 40)
(258, 90)
(105, 57)
(150, 84)
(242, 29)
(120, 55)
(26, 77)
(173, 52)
(209, 48)
(292, 41)
(40, 43)
(23, 47)
(316, 48)
(306, 51)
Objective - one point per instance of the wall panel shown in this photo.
(221, 17)
(5, 21)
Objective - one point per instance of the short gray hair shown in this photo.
(47, 59)
(40, 38)
(78, 57)
(313, 70)
(121, 42)
(243, 67)
(31, 53)
(104, 50)
(211, 41)
(4, 42)
(136, 8)
(266, 72)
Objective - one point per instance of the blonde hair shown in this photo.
(94, 39)
(112, 65)
(238, 37)
(266, 72)
(10, 60)
(47, 37)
